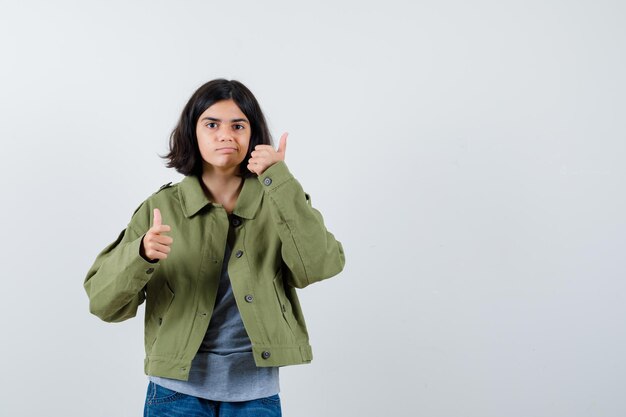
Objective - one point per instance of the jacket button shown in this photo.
(267, 181)
(239, 253)
(266, 355)
(149, 270)
(236, 221)
(249, 298)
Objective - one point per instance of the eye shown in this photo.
(239, 127)
(211, 125)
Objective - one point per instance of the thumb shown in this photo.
(157, 217)
(282, 145)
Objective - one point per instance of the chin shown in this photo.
(222, 166)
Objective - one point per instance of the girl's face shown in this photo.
(223, 133)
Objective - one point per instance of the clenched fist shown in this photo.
(155, 245)
(264, 156)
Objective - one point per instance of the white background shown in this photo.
(469, 156)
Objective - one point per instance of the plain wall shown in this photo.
(468, 155)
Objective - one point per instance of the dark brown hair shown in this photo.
(184, 154)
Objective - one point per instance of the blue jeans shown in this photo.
(163, 402)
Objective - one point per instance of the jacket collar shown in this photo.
(193, 199)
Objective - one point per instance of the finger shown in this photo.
(162, 239)
(282, 145)
(263, 147)
(156, 255)
(261, 154)
(164, 228)
(256, 160)
(157, 217)
(157, 247)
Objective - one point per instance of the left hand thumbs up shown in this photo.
(264, 156)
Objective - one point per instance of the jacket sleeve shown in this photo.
(116, 280)
(310, 252)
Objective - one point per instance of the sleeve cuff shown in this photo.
(275, 176)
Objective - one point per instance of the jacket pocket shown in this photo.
(283, 302)
(155, 314)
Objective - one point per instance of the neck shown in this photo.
(222, 187)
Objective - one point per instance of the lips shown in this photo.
(226, 150)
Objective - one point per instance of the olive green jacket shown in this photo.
(279, 243)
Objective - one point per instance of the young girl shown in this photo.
(218, 257)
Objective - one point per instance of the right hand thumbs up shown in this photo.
(155, 245)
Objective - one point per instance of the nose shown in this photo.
(224, 134)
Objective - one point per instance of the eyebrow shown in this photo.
(219, 120)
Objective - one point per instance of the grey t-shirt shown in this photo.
(224, 368)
